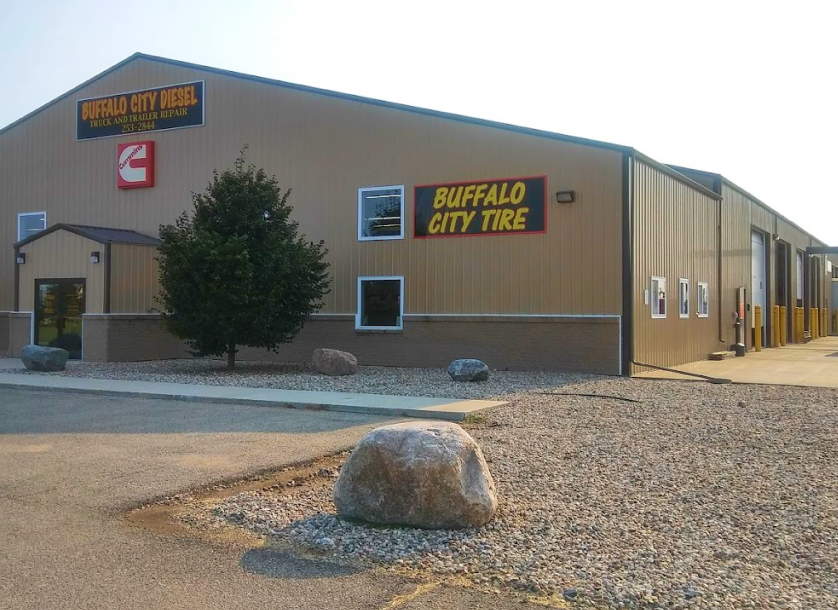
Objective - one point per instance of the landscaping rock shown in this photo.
(44, 359)
(423, 474)
(468, 369)
(334, 362)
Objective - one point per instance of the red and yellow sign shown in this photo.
(482, 207)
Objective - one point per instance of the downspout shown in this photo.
(717, 187)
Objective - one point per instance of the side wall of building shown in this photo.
(135, 278)
(325, 149)
(675, 236)
(741, 215)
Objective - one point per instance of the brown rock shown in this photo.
(334, 362)
(423, 474)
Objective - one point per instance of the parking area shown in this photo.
(813, 364)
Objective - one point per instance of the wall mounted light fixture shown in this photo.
(565, 196)
(20, 259)
(94, 257)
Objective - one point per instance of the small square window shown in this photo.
(381, 213)
(703, 300)
(683, 298)
(380, 303)
(30, 223)
(658, 297)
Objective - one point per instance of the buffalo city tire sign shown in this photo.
(484, 207)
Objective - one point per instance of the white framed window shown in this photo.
(703, 299)
(380, 303)
(683, 298)
(29, 223)
(381, 213)
(658, 296)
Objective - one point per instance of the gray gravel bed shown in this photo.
(371, 379)
(697, 496)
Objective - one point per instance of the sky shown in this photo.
(745, 89)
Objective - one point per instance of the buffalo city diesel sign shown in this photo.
(135, 164)
(483, 207)
(169, 107)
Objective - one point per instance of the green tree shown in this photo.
(236, 272)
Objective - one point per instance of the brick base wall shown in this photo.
(579, 344)
(15, 332)
(129, 338)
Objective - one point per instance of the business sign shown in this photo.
(482, 207)
(170, 107)
(135, 165)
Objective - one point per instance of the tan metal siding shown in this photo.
(135, 278)
(325, 149)
(62, 254)
(675, 236)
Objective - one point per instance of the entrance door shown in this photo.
(59, 305)
(758, 280)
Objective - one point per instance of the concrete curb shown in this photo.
(427, 413)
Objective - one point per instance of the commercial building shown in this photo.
(448, 236)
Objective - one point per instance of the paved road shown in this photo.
(70, 463)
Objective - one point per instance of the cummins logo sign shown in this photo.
(135, 165)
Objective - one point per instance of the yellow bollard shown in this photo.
(775, 326)
(816, 323)
(757, 328)
(798, 324)
(784, 324)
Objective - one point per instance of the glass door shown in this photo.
(59, 305)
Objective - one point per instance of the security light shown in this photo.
(94, 257)
(20, 259)
(566, 196)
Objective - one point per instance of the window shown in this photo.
(30, 223)
(658, 297)
(683, 298)
(703, 300)
(380, 303)
(381, 213)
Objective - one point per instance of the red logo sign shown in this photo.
(135, 165)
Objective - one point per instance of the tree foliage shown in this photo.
(236, 272)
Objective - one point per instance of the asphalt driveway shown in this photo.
(70, 463)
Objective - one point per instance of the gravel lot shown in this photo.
(695, 496)
(371, 379)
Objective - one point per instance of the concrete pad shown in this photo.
(368, 404)
(11, 364)
(813, 364)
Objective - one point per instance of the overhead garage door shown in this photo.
(758, 273)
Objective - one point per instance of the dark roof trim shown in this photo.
(89, 81)
(335, 94)
(103, 235)
(753, 198)
(669, 171)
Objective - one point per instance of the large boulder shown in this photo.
(334, 362)
(428, 474)
(468, 369)
(44, 359)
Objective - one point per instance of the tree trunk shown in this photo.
(231, 357)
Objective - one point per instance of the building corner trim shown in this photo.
(17, 282)
(627, 322)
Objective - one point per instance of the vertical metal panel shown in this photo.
(675, 237)
(135, 278)
(62, 254)
(325, 149)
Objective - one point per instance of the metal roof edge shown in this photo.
(81, 230)
(335, 94)
(747, 194)
(89, 81)
(668, 170)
